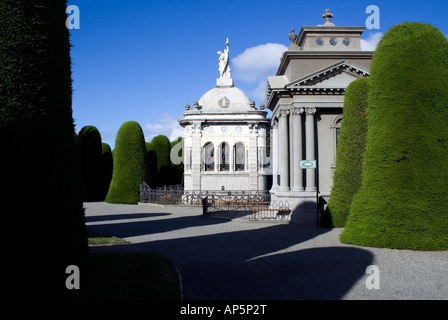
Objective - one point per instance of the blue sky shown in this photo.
(143, 60)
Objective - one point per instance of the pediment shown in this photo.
(339, 75)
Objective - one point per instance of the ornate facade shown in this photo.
(306, 98)
(225, 139)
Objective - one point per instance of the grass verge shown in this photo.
(96, 239)
(128, 275)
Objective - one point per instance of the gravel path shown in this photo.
(237, 259)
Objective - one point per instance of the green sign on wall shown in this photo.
(308, 164)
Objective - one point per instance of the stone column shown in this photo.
(291, 149)
(283, 151)
(274, 155)
(217, 157)
(253, 161)
(297, 148)
(310, 154)
(231, 158)
(196, 156)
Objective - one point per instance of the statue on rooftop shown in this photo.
(224, 65)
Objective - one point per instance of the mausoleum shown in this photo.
(306, 98)
(225, 138)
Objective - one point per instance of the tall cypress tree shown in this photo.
(351, 148)
(130, 167)
(91, 154)
(107, 167)
(42, 214)
(162, 147)
(403, 196)
(151, 157)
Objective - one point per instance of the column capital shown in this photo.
(296, 111)
(283, 113)
(310, 111)
(196, 127)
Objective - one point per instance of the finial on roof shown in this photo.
(327, 16)
(292, 36)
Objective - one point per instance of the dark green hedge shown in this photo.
(151, 158)
(352, 140)
(43, 228)
(107, 166)
(130, 168)
(403, 197)
(91, 153)
(162, 148)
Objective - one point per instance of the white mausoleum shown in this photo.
(225, 138)
(306, 98)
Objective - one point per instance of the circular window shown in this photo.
(333, 41)
(347, 41)
(319, 41)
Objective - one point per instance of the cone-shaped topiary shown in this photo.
(162, 147)
(351, 146)
(402, 200)
(43, 227)
(91, 150)
(151, 158)
(107, 167)
(130, 168)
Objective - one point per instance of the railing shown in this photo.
(177, 195)
(195, 197)
(164, 195)
(259, 210)
(252, 205)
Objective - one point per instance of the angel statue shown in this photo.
(224, 66)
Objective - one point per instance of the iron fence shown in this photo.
(251, 205)
(163, 195)
(177, 195)
(252, 210)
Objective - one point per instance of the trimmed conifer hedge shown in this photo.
(107, 166)
(351, 146)
(403, 198)
(130, 168)
(43, 227)
(162, 147)
(151, 158)
(91, 153)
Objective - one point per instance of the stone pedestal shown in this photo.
(224, 82)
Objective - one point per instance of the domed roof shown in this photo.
(225, 99)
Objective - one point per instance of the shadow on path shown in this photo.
(142, 228)
(268, 262)
(126, 216)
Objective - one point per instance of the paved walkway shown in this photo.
(232, 260)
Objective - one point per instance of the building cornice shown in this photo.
(347, 55)
(327, 30)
